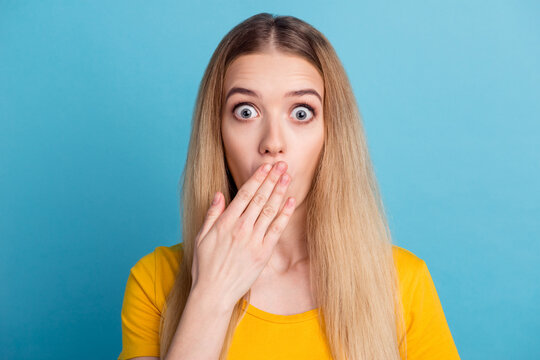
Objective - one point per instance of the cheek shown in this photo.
(232, 143)
(238, 161)
(309, 160)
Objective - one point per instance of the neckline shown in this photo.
(276, 318)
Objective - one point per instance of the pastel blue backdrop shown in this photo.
(96, 100)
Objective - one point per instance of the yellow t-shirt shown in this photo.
(262, 335)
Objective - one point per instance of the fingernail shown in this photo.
(216, 197)
(266, 168)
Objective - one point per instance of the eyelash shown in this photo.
(309, 107)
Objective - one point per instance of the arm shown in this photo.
(231, 250)
(202, 327)
(428, 335)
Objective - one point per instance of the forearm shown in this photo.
(201, 331)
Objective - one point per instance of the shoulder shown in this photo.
(150, 279)
(169, 256)
(156, 271)
(428, 334)
(418, 292)
(410, 269)
(407, 263)
(162, 257)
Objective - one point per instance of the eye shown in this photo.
(302, 114)
(244, 110)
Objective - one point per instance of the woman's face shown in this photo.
(263, 121)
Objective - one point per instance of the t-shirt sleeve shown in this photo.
(140, 316)
(428, 334)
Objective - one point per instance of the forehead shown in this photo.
(272, 72)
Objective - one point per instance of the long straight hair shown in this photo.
(352, 269)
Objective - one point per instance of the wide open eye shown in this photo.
(303, 115)
(244, 111)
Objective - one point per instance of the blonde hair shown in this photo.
(352, 269)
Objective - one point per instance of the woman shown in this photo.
(259, 276)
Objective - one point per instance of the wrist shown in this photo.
(211, 300)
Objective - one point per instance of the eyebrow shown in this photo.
(240, 90)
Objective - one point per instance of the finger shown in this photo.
(278, 225)
(271, 208)
(245, 194)
(213, 213)
(260, 199)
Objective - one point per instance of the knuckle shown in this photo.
(244, 195)
(212, 212)
(259, 199)
(260, 176)
(221, 228)
(235, 233)
(240, 228)
(219, 224)
(258, 258)
(268, 211)
(275, 177)
(276, 229)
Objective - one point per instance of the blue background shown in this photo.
(96, 100)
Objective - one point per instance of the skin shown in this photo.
(274, 128)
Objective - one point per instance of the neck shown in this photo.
(291, 249)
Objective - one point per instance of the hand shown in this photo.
(233, 246)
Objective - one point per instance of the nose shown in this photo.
(272, 138)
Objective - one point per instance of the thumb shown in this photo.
(213, 213)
